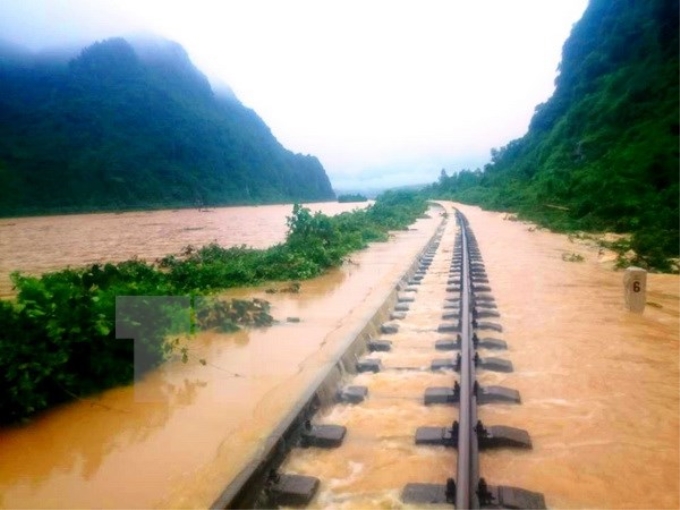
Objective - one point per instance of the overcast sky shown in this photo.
(383, 92)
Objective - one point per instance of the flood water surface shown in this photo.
(46, 243)
(599, 386)
(181, 435)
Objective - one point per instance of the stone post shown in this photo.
(635, 289)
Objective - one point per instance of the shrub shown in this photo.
(74, 332)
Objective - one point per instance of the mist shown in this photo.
(383, 93)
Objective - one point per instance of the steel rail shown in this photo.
(468, 434)
(468, 448)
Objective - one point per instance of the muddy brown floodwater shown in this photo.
(600, 386)
(45, 243)
(183, 433)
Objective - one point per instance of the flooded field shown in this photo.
(45, 243)
(180, 436)
(600, 386)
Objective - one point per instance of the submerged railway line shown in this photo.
(455, 348)
(358, 405)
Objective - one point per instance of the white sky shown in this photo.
(383, 92)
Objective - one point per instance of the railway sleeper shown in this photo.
(502, 436)
(481, 288)
(494, 436)
(489, 363)
(448, 327)
(454, 344)
(445, 364)
(429, 493)
(322, 436)
(448, 344)
(485, 395)
(379, 345)
(482, 297)
(488, 343)
(451, 315)
(503, 496)
(493, 364)
(487, 326)
(389, 328)
(489, 496)
(284, 490)
(484, 305)
(352, 394)
(482, 302)
(484, 314)
(369, 365)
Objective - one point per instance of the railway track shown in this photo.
(468, 489)
(469, 312)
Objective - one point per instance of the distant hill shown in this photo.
(136, 125)
(602, 152)
(373, 192)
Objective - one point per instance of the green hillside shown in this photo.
(122, 127)
(602, 152)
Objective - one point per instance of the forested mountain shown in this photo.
(122, 126)
(602, 152)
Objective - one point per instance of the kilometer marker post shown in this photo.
(635, 289)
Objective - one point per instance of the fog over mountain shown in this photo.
(382, 92)
(125, 125)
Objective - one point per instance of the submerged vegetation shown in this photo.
(70, 333)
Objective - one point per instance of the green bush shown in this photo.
(352, 197)
(58, 338)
